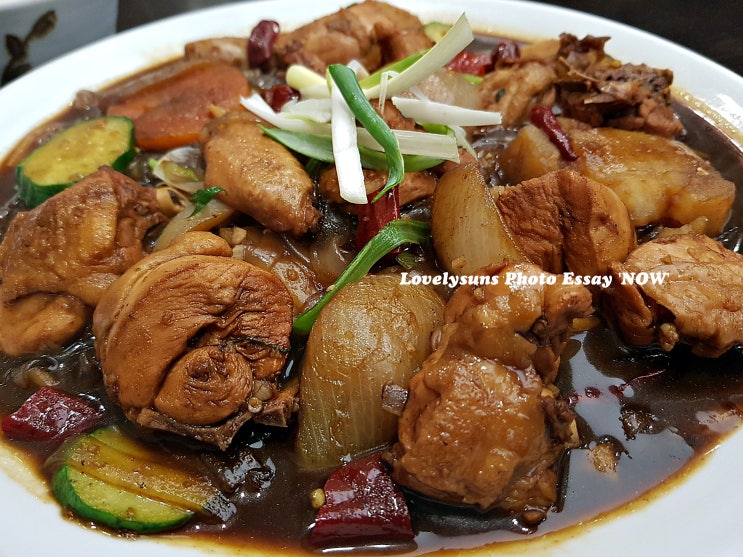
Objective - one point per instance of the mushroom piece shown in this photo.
(192, 341)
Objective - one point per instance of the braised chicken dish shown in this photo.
(371, 282)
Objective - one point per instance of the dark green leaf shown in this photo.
(202, 197)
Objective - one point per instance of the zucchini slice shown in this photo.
(112, 506)
(110, 478)
(74, 153)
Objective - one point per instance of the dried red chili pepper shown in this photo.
(51, 415)
(473, 63)
(543, 118)
(260, 44)
(506, 52)
(374, 216)
(280, 95)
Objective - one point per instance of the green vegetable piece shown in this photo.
(364, 112)
(394, 234)
(110, 477)
(202, 197)
(397, 67)
(74, 153)
(436, 30)
(320, 147)
(113, 506)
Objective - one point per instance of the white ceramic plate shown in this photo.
(698, 516)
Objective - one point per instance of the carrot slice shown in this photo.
(172, 112)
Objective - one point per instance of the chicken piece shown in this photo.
(598, 90)
(57, 260)
(414, 186)
(210, 333)
(399, 33)
(563, 220)
(513, 90)
(260, 177)
(661, 181)
(481, 425)
(682, 288)
(267, 250)
(229, 50)
(371, 32)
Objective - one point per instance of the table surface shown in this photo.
(713, 28)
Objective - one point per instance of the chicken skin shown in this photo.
(695, 296)
(191, 341)
(374, 33)
(57, 260)
(482, 425)
(260, 177)
(562, 220)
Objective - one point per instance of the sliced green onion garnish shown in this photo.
(394, 234)
(456, 39)
(258, 106)
(438, 144)
(348, 86)
(320, 147)
(395, 67)
(423, 110)
(301, 77)
(345, 147)
(413, 142)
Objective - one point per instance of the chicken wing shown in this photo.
(261, 178)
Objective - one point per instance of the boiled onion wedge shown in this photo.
(467, 227)
(374, 332)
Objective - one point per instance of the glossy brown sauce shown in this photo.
(657, 411)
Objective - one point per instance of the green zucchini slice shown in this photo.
(112, 479)
(112, 506)
(74, 153)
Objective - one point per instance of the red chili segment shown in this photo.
(506, 51)
(373, 217)
(51, 415)
(260, 44)
(280, 95)
(543, 118)
(473, 63)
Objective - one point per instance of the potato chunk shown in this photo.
(661, 181)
